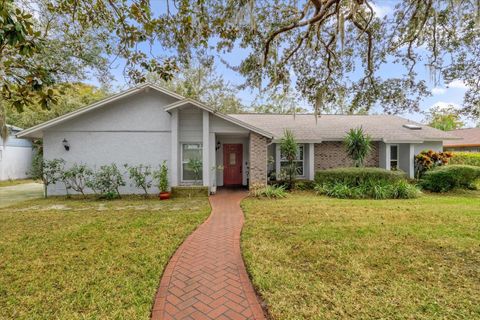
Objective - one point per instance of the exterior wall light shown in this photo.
(66, 145)
(218, 146)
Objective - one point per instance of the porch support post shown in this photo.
(206, 149)
(213, 160)
(277, 160)
(174, 147)
(387, 156)
(411, 159)
(311, 161)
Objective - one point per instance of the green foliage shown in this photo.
(304, 185)
(76, 178)
(162, 177)
(51, 171)
(446, 178)
(107, 181)
(468, 158)
(358, 145)
(357, 176)
(196, 166)
(369, 189)
(289, 151)
(198, 80)
(72, 97)
(268, 191)
(445, 120)
(429, 159)
(142, 177)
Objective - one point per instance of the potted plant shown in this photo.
(162, 177)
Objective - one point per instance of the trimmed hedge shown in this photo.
(357, 176)
(446, 178)
(467, 158)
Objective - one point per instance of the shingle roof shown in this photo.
(469, 137)
(334, 127)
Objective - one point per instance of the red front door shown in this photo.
(232, 164)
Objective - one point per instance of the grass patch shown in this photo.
(85, 259)
(321, 258)
(9, 183)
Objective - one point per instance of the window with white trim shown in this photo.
(191, 151)
(394, 157)
(299, 160)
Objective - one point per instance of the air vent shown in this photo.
(412, 126)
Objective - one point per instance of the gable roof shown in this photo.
(134, 90)
(221, 115)
(307, 128)
(468, 138)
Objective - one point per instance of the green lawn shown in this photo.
(83, 259)
(319, 258)
(9, 183)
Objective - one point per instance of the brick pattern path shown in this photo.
(206, 277)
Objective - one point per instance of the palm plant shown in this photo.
(289, 150)
(358, 145)
(196, 166)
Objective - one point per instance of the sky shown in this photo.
(442, 94)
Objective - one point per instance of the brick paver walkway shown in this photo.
(206, 277)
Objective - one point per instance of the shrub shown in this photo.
(304, 185)
(364, 183)
(196, 166)
(77, 177)
(268, 191)
(358, 145)
(289, 150)
(107, 181)
(429, 159)
(357, 176)
(467, 158)
(162, 177)
(51, 171)
(141, 176)
(450, 177)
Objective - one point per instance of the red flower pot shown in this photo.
(164, 195)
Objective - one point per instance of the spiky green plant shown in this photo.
(358, 145)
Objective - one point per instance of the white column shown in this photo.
(387, 156)
(311, 161)
(206, 148)
(174, 147)
(277, 160)
(213, 160)
(411, 159)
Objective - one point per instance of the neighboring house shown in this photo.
(15, 156)
(148, 124)
(469, 140)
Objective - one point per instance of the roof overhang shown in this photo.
(37, 131)
(188, 101)
(466, 145)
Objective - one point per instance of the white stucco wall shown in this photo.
(436, 146)
(15, 162)
(134, 130)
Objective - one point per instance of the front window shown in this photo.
(299, 160)
(191, 162)
(393, 157)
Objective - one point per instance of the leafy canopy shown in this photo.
(444, 118)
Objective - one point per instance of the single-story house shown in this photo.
(148, 124)
(15, 156)
(469, 140)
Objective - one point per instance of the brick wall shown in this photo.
(258, 159)
(332, 154)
